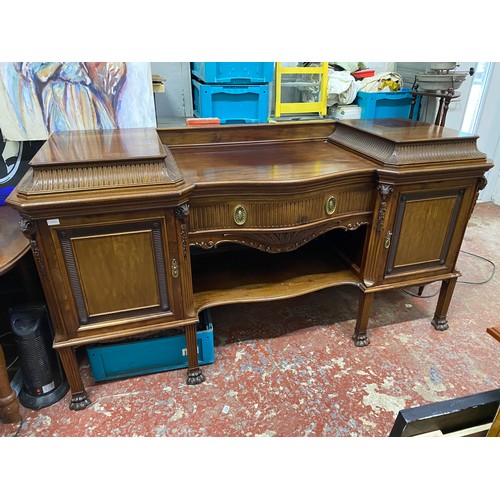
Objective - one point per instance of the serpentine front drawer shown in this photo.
(279, 211)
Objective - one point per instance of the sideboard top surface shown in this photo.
(271, 162)
(107, 165)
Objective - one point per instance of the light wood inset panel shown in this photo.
(117, 272)
(423, 231)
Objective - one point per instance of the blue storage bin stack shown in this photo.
(386, 104)
(234, 92)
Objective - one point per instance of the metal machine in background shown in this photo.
(437, 84)
(441, 77)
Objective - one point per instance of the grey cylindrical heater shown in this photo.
(43, 379)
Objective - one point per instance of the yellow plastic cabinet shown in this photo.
(301, 107)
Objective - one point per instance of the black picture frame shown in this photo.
(448, 416)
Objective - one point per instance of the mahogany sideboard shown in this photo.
(135, 231)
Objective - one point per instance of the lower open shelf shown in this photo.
(235, 273)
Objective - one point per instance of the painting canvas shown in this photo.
(38, 98)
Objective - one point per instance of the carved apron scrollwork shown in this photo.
(280, 242)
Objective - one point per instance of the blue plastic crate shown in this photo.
(129, 359)
(386, 104)
(231, 103)
(235, 73)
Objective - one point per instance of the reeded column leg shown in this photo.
(195, 375)
(439, 322)
(9, 405)
(79, 399)
(360, 336)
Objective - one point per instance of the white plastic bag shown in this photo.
(382, 82)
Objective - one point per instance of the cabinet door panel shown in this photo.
(423, 230)
(116, 270)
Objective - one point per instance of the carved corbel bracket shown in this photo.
(28, 229)
(182, 211)
(182, 215)
(385, 191)
(482, 183)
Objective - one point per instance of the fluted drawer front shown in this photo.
(280, 211)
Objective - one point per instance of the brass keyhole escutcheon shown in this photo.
(387, 241)
(175, 268)
(331, 205)
(240, 215)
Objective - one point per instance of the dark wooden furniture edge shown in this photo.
(9, 404)
(447, 416)
(13, 247)
(494, 331)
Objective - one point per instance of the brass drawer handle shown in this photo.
(240, 215)
(331, 205)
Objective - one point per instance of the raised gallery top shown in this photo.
(88, 146)
(400, 130)
(400, 142)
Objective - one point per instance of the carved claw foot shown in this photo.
(79, 401)
(195, 377)
(360, 339)
(440, 323)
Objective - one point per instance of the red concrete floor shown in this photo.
(289, 368)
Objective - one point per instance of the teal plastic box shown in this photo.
(162, 353)
(231, 103)
(386, 104)
(235, 73)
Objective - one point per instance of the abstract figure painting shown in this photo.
(38, 98)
